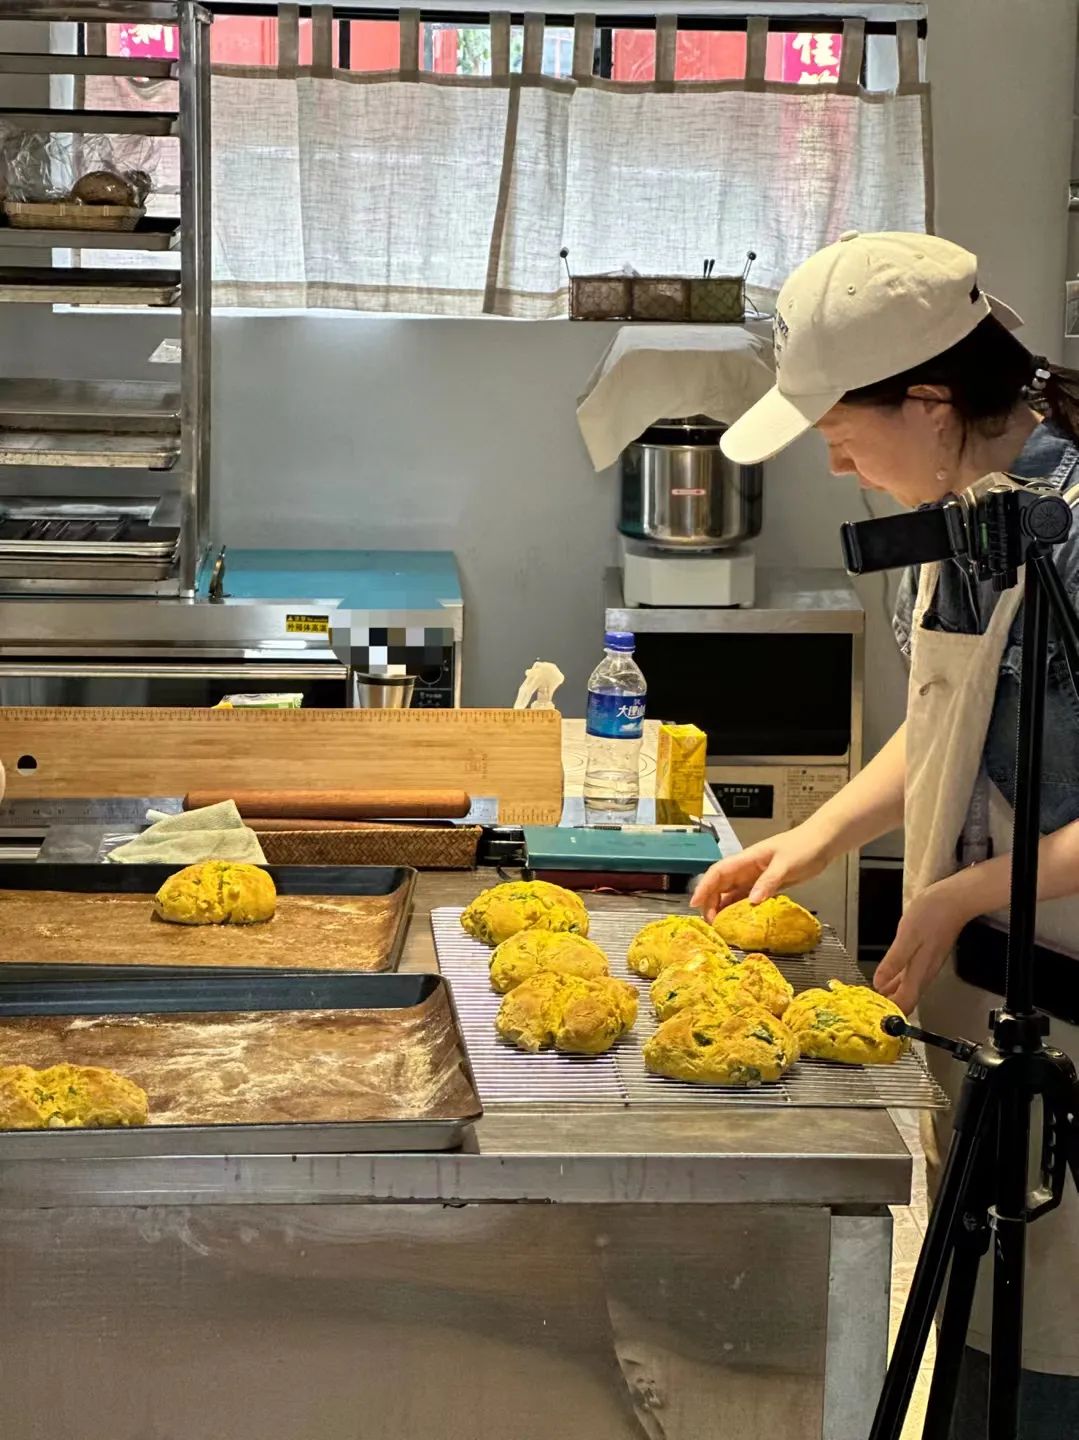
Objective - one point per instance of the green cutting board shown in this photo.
(660, 852)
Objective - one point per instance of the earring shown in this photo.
(942, 475)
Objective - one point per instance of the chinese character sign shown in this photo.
(811, 59)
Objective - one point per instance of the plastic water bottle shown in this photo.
(616, 696)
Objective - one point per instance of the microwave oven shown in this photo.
(778, 689)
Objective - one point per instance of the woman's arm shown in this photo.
(870, 806)
(980, 889)
(932, 922)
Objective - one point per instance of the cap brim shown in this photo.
(774, 423)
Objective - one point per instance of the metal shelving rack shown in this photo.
(108, 424)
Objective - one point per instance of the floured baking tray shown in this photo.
(345, 918)
(241, 1064)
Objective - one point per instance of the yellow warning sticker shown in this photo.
(307, 624)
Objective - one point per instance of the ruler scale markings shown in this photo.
(108, 751)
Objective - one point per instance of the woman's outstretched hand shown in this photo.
(926, 937)
(761, 871)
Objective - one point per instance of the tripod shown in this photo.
(984, 1193)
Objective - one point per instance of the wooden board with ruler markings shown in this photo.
(98, 752)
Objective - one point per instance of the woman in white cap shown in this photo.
(888, 347)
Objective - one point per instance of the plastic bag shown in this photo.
(8, 138)
(91, 169)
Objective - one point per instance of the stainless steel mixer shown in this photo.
(680, 492)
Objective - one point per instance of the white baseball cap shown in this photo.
(856, 312)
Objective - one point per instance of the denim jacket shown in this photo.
(963, 606)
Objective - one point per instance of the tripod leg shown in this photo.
(952, 1203)
(1010, 1226)
(971, 1243)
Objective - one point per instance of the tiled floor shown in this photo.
(910, 1224)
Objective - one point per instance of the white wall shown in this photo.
(417, 434)
(461, 434)
(1003, 77)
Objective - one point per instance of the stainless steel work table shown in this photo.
(674, 1275)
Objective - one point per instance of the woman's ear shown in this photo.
(934, 394)
(935, 403)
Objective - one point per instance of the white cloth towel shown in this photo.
(216, 832)
(669, 372)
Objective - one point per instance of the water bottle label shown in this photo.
(616, 717)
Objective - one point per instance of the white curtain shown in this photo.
(412, 192)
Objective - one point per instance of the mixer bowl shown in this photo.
(680, 492)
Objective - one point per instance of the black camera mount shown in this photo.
(994, 530)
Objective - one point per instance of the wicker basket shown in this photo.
(659, 297)
(599, 297)
(69, 215)
(423, 847)
(718, 300)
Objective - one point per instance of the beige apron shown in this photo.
(953, 681)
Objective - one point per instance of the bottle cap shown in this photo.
(619, 640)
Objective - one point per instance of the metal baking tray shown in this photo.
(153, 233)
(97, 935)
(74, 568)
(76, 549)
(91, 122)
(420, 1095)
(119, 512)
(78, 285)
(89, 452)
(58, 527)
(108, 407)
(64, 539)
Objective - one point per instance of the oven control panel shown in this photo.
(435, 683)
(745, 802)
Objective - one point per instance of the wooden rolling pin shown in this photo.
(338, 804)
(275, 825)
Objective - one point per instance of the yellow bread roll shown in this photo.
(530, 951)
(761, 980)
(680, 985)
(672, 941)
(703, 1045)
(580, 1017)
(504, 910)
(756, 980)
(217, 892)
(843, 1023)
(594, 1018)
(778, 926)
(68, 1097)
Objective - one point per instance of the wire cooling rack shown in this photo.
(508, 1077)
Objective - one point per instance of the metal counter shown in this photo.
(674, 1276)
(788, 601)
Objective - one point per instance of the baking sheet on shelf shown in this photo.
(252, 1064)
(79, 285)
(329, 918)
(510, 1078)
